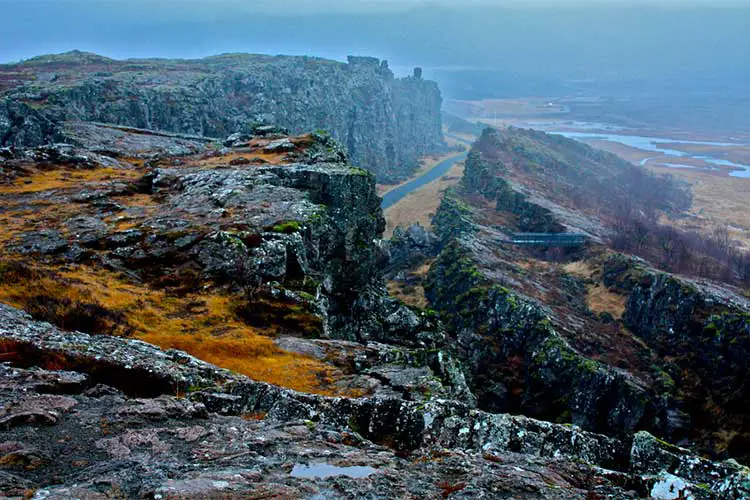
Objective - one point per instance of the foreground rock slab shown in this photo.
(97, 416)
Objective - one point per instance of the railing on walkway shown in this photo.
(548, 239)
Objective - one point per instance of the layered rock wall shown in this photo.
(385, 123)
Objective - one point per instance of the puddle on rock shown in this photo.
(323, 471)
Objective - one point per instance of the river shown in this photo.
(644, 143)
(654, 144)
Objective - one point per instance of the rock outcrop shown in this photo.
(517, 361)
(305, 225)
(705, 329)
(385, 123)
(582, 334)
(109, 416)
(259, 257)
(410, 247)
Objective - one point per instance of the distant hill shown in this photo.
(570, 174)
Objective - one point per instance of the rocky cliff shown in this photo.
(582, 334)
(184, 320)
(705, 332)
(386, 124)
(261, 257)
(95, 417)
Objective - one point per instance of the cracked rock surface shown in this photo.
(72, 432)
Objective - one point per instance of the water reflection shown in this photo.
(655, 144)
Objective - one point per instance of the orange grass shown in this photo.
(65, 178)
(599, 299)
(580, 268)
(412, 294)
(224, 160)
(203, 324)
(15, 220)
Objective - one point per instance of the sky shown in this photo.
(328, 28)
(531, 46)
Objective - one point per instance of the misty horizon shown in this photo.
(188, 29)
(668, 51)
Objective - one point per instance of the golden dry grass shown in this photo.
(253, 153)
(411, 294)
(579, 268)
(144, 204)
(23, 209)
(205, 325)
(599, 299)
(226, 159)
(420, 205)
(725, 198)
(717, 200)
(17, 219)
(66, 178)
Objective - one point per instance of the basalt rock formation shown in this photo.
(705, 331)
(181, 318)
(385, 123)
(261, 257)
(91, 417)
(408, 248)
(583, 335)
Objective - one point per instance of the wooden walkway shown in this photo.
(548, 239)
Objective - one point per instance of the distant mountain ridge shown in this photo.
(385, 123)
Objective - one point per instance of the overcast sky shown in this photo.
(532, 42)
(194, 28)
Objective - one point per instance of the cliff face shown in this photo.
(705, 331)
(583, 334)
(385, 123)
(518, 362)
(263, 259)
(111, 416)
